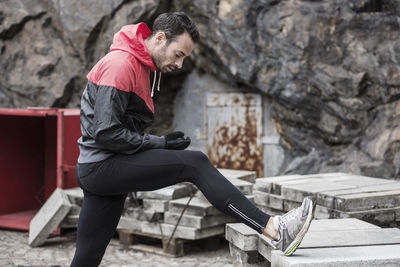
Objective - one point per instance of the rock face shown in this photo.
(330, 68)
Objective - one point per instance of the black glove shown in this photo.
(176, 140)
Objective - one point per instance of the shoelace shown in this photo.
(288, 216)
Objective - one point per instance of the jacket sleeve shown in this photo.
(108, 129)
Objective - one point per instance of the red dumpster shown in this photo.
(38, 153)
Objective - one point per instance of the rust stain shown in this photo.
(235, 146)
(236, 100)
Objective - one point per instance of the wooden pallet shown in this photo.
(158, 244)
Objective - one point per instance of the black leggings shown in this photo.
(106, 184)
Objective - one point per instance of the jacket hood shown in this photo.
(131, 39)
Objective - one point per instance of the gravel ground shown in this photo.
(58, 251)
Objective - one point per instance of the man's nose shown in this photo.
(179, 63)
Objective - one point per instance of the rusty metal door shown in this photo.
(235, 131)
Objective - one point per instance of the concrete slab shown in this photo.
(346, 238)
(290, 204)
(182, 231)
(248, 258)
(340, 224)
(387, 255)
(242, 236)
(273, 184)
(270, 200)
(134, 213)
(129, 224)
(245, 187)
(381, 217)
(196, 207)
(75, 195)
(361, 181)
(75, 210)
(268, 184)
(48, 217)
(249, 176)
(268, 210)
(329, 230)
(368, 201)
(170, 192)
(197, 222)
(70, 221)
(157, 205)
(153, 216)
(298, 191)
(354, 198)
(265, 247)
(261, 198)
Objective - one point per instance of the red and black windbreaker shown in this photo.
(116, 105)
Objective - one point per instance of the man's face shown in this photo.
(170, 57)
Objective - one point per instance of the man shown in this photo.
(117, 157)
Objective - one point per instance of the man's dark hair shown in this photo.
(174, 24)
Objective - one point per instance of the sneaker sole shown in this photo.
(296, 242)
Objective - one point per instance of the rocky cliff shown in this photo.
(330, 68)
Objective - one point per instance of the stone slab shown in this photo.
(70, 221)
(75, 195)
(270, 184)
(48, 217)
(352, 233)
(268, 210)
(354, 237)
(75, 210)
(135, 213)
(342, 224)
(273, 184)
(242, 236)
(365, 256)
(245, 187)
(153, 216)
(269, 200)
(249, 176)
(182, 232)
(368, 201)
(248, 258)
(196, 207)
(360, 181)
(385, 195)
(197, 222)
(157, 205)
(167, 193)
(298, 191)
(381, 217)
(127, 223)
(264, 247)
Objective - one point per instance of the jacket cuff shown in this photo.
(157, 141)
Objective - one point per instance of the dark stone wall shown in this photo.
(330, 68)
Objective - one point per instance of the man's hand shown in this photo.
(176, 140)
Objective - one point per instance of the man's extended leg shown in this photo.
(158, 168)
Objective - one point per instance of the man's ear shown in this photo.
(160, 38)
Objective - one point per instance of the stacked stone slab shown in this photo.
(338, 195)
(157, 212)
(200, 218)
(334, 242)
(150, 206)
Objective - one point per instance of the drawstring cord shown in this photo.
(154, 83)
